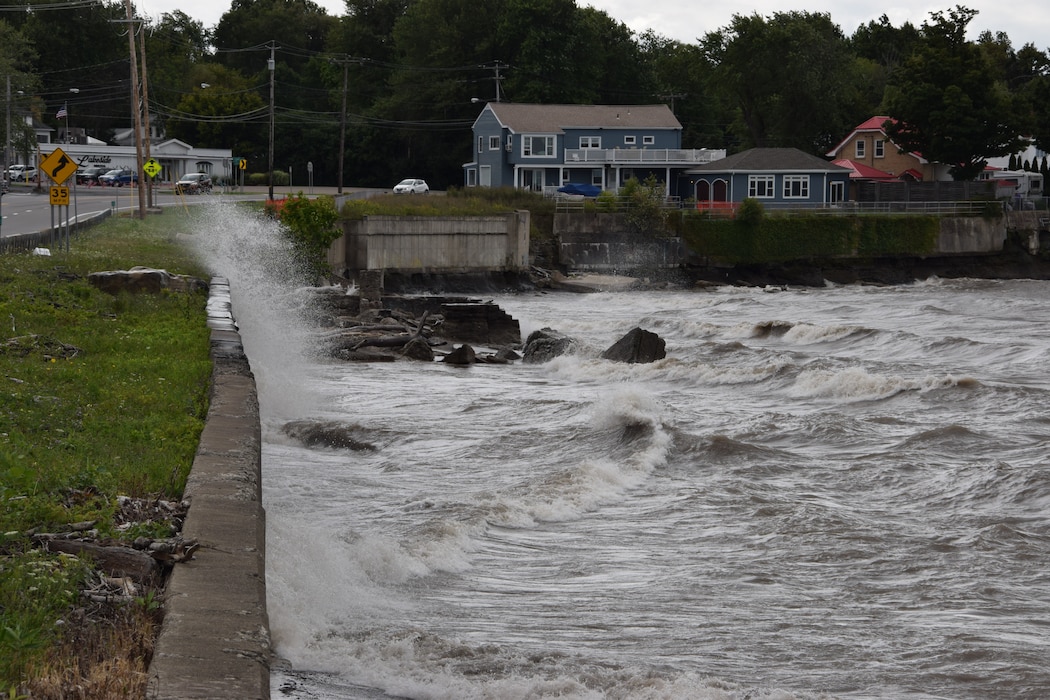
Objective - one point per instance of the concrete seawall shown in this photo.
(215, 638)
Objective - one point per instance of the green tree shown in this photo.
(83, 48)
(788, 78)
(679, 74)
(946, 102)
(175, 46)
(225, 114)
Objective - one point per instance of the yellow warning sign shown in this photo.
(60, 196)
(58, 166)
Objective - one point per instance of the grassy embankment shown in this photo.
(103, 396)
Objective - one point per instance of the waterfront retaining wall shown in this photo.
(433, 244)
(215, 638)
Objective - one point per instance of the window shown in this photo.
(537, 146)
(590, 142)
(648, 140)
(596, 177)
(836, 191)
(760, 186)
(796, 187)
(481, 143)
(859, 148)
(493, 143)
(879, 148)
(629, 141)
(472, 177)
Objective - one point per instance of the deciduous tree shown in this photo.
(946, 102)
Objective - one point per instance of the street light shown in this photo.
(69, 139)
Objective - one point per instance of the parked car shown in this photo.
(411, 186)
(118, 177)
(193, 183)
(90, 174)
(21, 173)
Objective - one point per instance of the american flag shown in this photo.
(62, 113)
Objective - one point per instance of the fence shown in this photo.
(49, 238)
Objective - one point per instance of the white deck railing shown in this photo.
(651, 156)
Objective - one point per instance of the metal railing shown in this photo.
(728, 209)
(670, 156)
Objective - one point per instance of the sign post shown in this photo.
(58, 167)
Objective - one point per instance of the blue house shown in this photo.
(544, 147)
(777, 177)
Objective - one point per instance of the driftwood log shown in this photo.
(393, 341)
(116, 561)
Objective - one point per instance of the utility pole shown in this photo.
(496, 66)
(145, 180)
(672, 98)
(7, 132)
(270, 66)
(346, 61)
(136, 105)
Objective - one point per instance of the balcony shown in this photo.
(649, 156)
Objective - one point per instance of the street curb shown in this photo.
(215, 638)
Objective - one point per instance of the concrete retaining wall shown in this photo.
(602, 242)
(971, 234)
(433, 244)
(215, 639)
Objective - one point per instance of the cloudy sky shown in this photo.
(1024, 21)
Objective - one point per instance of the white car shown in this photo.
(411, 186)
(21, 173)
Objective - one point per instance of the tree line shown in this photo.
(414, 74)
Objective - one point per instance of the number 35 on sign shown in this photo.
(59, 196)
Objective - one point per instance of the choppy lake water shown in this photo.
(819, 493)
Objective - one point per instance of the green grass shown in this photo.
(101, 396)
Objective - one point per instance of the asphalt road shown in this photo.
(27, 210)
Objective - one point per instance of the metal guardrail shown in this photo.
(728, 209)
(49, 238)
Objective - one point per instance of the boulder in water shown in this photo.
(546, 344)
(637, 346)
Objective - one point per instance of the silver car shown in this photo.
(411, 186)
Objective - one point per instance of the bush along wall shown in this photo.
(772, 239)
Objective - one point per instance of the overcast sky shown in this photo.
(1024, 21)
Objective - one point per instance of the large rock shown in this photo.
(546, 344)
(463, 355)
(327, 434)
(637, 346)
(144, 279)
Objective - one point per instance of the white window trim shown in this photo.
(648, 140)
(630, 140)
(527, 141)
(860, 148)
(767, 181)
(590, 142)
(879, 148)
(494, 143)
(481, 143)
(790, 181)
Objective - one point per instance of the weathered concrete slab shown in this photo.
(215, 639)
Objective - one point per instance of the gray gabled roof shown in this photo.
(757, 160)
(555, 119)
